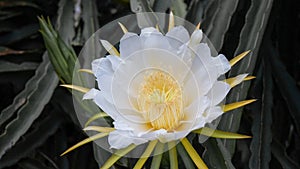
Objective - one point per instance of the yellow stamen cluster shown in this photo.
(160, 99)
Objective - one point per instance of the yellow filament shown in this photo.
(160, 99)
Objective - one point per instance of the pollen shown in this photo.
(160, 100)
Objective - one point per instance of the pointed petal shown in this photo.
(158, 152)
(173, 155)
(145, 155)
(110, 48)
(249, 78)
(124, 29)
(86, 71)
(171, 21)
(196, 38)
(238, 58)
(99, 129)
(193, 154)
(116, 156)
(236, 80)
(219, 134)
(85, 141)
(236, 105)
(77, 88)
(95, 117)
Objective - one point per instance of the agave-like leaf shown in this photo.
(262, 121)
(13, 67)
(33, 98)
(36, 138)
(188, 163)
(250, 39)
(281, 155)
(217, 24)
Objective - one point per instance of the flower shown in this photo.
(160, 88)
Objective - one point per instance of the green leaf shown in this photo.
(287, 86)
(19, 34)
(29, 103)
(179, 8)
(214, 157)
(188, 163)
(280, 154)
(261, 128)
(13, 67)
(10, 4)
(250, 39)
(217, 25)
(32, 164)
(31, 141)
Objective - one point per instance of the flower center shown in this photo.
(160, 99)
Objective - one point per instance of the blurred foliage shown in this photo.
(38, 121)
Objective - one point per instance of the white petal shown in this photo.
(132, 116)
(105, 85)
(130, 45)
(199, 123)
(196, 108)
(101, 66)
(172, 136)
(222, 64)
(122, 139)
(105, 65)
(196, 37)
(128, 35)
(137, 129)
(238, 79)
(157, 41)
(106, 106)
(91, 94)
(130, 75)
(115, 61)
(148, 31)
(218, 92)
(205, 70)
(212, 113)
(180, 34)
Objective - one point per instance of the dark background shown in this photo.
(273, 121)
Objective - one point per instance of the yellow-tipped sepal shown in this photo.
(85, 141)
(110, 48)
(86, 71)
(238, 58)
(116, 156)
(236, 105)
(193, 154)
(219, 134)
(77, 88)
(145, 155)
(95, 117)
